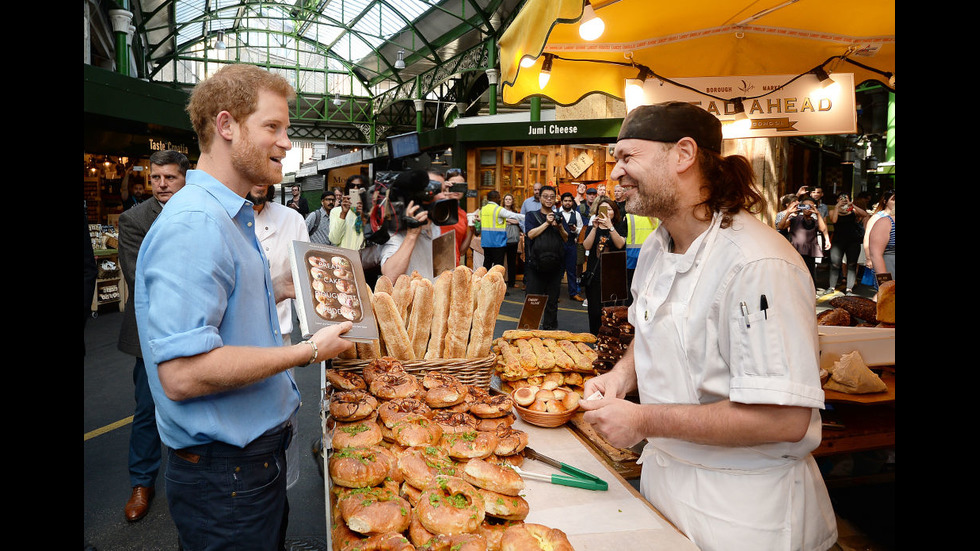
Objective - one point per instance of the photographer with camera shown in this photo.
(411, 216)
(546, 234)
(803, 223)
(347, 218)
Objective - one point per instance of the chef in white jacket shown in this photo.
(725, 357)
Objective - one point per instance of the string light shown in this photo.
(592, 26)
(545, 73)
(527, 61)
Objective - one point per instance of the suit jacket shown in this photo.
(133, 225)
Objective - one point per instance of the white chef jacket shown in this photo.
(694, 345)
(276, 227)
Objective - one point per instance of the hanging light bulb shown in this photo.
(400, 62)
(545, 73)
(591, 27)
(741, 125)
(220, 44)
(528, 61)
(640, 90)
(827, 87)
(337, 101)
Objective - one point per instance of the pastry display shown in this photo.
(546, 359)
(614, 337)
(423, 461)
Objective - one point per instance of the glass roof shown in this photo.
(346, 47)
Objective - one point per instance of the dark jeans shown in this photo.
(225, 497)
(493, 255)
(511, 264)
(571, 261)
(544, 283)
(145, 450)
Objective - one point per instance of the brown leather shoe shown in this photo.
(578, 298)
(139, 503)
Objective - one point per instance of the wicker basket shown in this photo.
(547, 420)
(477, 372)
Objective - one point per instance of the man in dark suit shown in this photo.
(167, 171)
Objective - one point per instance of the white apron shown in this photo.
(721, 498)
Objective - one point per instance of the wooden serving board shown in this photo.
(887, 376)
(623, 461)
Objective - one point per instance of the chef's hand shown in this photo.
(617, 420)
(328, 340)
(611, 384)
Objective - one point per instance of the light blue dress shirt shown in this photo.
(202, 281)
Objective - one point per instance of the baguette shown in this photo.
(460, 313)
(420, 318)
(485, 315)
(440, 315)
(392, 327)
(545, 359)
(562, 361)
(384, 285)
(402, 294)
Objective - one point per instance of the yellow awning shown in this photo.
(701, 38)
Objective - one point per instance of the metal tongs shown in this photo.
(576, 478)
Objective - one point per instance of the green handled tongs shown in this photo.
(576, 478)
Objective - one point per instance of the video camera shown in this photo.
(411, 186)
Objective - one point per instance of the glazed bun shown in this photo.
(357, 467)
(352, 405)
(493, 477)
(534, 537)
(450, 505)
(374, 511)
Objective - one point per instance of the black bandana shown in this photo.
(671, 121)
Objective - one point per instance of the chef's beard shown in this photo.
(254, 165)
(655, 199)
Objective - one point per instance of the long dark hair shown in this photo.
(730, 183)
(616, 216)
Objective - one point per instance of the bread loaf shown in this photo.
(857, 307)
(886, 302)
(485, 315)
(460, 313)
(834, 316)
(402, 294)
(441, 296)
(392, 327)
(420, 318)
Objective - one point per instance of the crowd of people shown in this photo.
(843, 233)
(214, 361)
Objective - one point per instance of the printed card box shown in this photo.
(330, 289)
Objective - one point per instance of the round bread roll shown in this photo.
(493, 530)
(365, 432)
(352, 405)
(509, 441)
(524, 396)
(416, 430)
(374, 510)
(507, 507)
(534, 537)
(345, 380)
(357, 467)
(392, 411)
(495, 423)
(443, 390)
(492, 476)
(492, 406)
(469, 445)
(454, 422)
(391, 386)
(420, 465)
(450, 505)
(378, 366)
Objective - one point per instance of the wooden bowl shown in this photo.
(543, 419)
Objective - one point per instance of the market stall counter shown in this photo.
(612, 515)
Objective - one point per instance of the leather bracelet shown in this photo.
(316, 352)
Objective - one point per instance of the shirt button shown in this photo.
(249, 224)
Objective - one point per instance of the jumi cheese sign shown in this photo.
(777, 105)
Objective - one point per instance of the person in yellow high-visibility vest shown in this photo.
(638, 228)
(493, 229)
